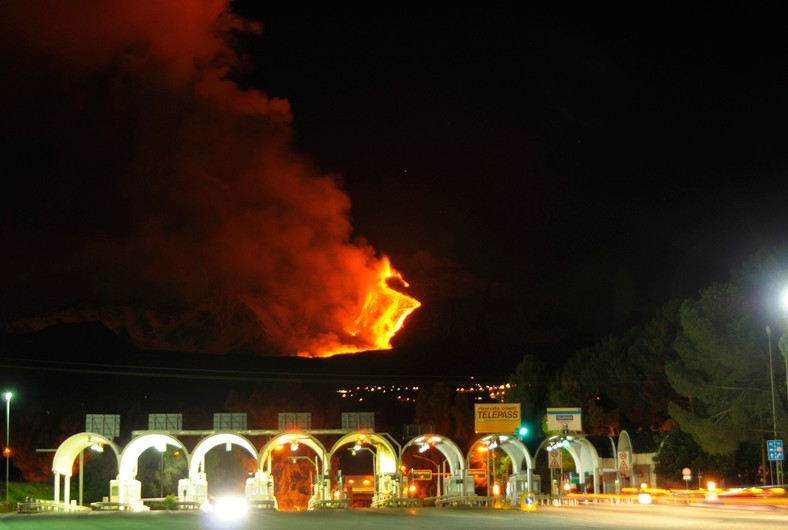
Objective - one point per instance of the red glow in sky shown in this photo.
(153, 194)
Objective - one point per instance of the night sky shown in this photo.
(590, 161)
(561, 169)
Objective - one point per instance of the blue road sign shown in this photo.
(774, 448)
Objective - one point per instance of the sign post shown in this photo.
(555, 459)
(623, 461)
(686, 474)
(774, 449)
(564, 419)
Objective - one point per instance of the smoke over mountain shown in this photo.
(146, 190)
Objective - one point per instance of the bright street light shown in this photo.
(783, 342)
(784, 300)
(7, 396)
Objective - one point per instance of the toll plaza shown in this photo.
(446, 474)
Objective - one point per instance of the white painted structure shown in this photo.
(390, 481)
(67, 453)
(126, 489)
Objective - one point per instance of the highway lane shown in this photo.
(576, 517)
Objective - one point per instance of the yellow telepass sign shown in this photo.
(496, 417)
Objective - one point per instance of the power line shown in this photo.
(232, 375)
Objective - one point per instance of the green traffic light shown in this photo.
(522, 431)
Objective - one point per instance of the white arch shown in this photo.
(582, 451)
(642, 450)
(67, 452)
(197, 462)
(512, 446)
(132, 452)
(450, 451)
(387, 458)
(297, 438)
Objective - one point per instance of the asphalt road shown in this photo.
(582, 517)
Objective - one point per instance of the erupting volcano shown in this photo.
(151, 191)
(383, 314)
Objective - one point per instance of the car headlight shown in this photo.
(230, 508)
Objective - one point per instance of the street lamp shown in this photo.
(774, 409)
(783, 342)
(488, 448)
(7, 396)
(295, 458)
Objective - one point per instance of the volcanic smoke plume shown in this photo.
(146, 190)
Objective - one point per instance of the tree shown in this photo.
(530, 381)
(676, 451)
(434, 406)
(620, 382)
(603, 382)
(647, 356)
(462, 412)
(292, 485)
(578, 385)
(679, 449)
(721, 369)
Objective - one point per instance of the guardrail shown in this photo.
(404, 502)
(267, 504)
(329, 504)
(111, 506)
(186, 505)
(33, 506)
(465, 500)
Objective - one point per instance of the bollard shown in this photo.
(527, 502)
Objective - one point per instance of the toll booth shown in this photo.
(126, 491)
(459, 484)
(260, 487)
(193, 489)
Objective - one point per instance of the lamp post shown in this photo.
(295, 458)
(492, 444)
(783, 342)
(774, 409)
(7, 396)
(784, 350)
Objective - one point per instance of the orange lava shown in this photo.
(383, 314)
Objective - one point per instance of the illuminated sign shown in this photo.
(496, 417)
(559, 419)
(421, 474)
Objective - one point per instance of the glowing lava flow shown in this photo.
(383, 314)
(384, 311)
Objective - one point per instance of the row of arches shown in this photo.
(390, 481)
